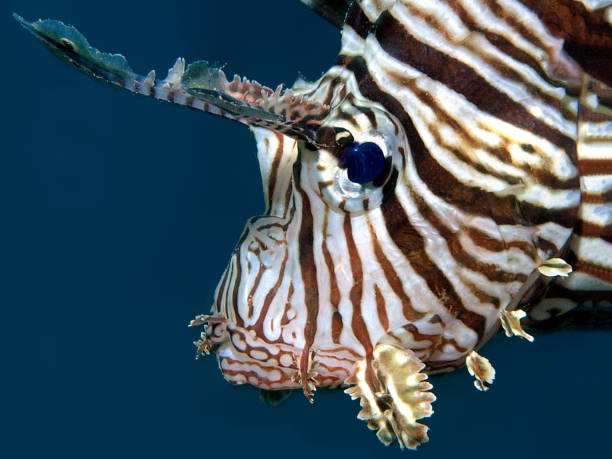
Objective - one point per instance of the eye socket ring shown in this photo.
(352, 177)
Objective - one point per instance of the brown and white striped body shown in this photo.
(497, 160)
(496, 128)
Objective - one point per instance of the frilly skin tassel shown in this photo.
(199, 85)
(393, 395)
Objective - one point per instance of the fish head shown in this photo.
(280, 269)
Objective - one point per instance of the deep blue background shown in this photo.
(117, 218)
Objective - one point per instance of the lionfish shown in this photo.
(450, 174)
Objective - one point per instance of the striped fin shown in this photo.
(590, 283)
(200, 85)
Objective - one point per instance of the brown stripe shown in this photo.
(492, 272)
(334, 291)
(358, 325)
(589, 229)
(393, 279)
(593, 198)
(336, 327)
(595, 166)
(269, 297)
(358, 21)
(285, 320)
(587, 36)
(274, 167)
(220, 292)
(381, 309)
(516, 23)
(461, 78)
(235, 286)
(225, 299)
(599, 272)
(190, 101)
(483, 297)
(323, 185)
(307, 266)
(502, 67)
(262, 381)
(596, 115)
(367, 111)
(474, 200)
(506, 46)
(470, 143)
(331, 86)
(275, 224)
(348, 117)
(483, 240)
(260, 272)
(412, 245)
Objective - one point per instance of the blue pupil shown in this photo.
(363, 162)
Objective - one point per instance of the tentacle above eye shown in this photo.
(199, 85)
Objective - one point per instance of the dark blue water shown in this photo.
(118, 216)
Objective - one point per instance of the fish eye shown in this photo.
(354, 175)
(363, 162)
